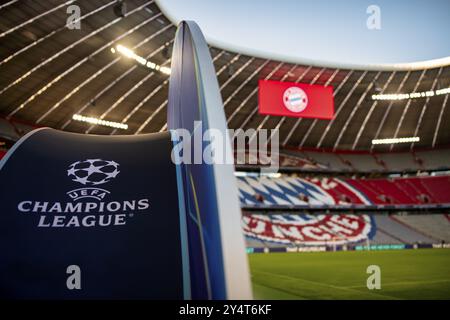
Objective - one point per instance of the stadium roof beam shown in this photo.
(8, 4)
(226, 66)
(111, 84)
(148, 97)
(424, 108)
(59, 53)
(165, 102)
(147, 121)
(145, 100)
(130, 91)
(23, 24)
(85, 59)
(405, 109)
(163, 128)
(354, 109)
(79, 63)
(313, 123)
(127, 93)
(59, 102)
(235, 74)
(369, 114)
(249, 96)
(340, 107)
(96, 74)
(347, 76)
(36, 42)
(386, 112)
(73, 67)
(231, 96)
(438, 125)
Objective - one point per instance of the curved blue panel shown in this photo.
(218, 265)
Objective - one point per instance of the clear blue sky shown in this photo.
(328, 31)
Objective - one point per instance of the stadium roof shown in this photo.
(336, 34)
(48, 73)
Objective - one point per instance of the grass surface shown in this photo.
(405, 274)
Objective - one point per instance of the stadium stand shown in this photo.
(289, 190)
(13, 130)
(400, 161)
(370, 162)
(296, 229)
(391, 226)
(362, 162)
(433, 225)
(381, 237)
(275, 230)
(289, 228)
(414, 190)
(435, 159)
(330, 160)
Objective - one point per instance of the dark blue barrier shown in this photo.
(83, 201)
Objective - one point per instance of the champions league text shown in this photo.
(87, 214)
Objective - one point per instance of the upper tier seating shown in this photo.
(289, 190)
(416, 190)
(399, 161)
(362, 162)
(375, 162)
(437, 159)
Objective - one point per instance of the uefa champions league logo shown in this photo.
(81, 210)
(295, 99)
(92, 172)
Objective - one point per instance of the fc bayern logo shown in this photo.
(93, 172)
(295, 99)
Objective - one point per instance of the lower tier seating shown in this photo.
(272, 230)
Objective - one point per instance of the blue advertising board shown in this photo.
(106, 206)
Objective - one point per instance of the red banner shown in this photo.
(299, 100)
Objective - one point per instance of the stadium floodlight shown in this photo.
(396, 140)
(100, 122)
(412, 95)
(141, 60)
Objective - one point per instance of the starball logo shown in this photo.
(88, 206)
(92, 172)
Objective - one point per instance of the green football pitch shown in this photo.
(405, 274)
